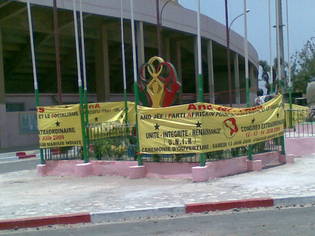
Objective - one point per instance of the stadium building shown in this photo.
(103, 57)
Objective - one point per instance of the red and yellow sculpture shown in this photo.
(158, 83)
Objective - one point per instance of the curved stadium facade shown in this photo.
(103, 57)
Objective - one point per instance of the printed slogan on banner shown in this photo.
(109, 119)
(111, 112)
(202, 127)
(59, 126)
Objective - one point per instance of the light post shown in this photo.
(242, 14)
(159, 15)
(230, 26)
(228, 29)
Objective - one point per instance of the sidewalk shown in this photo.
(23, 194)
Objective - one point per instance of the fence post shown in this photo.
(250, 152)
(290, 107)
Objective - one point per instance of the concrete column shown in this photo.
(210, 71)
(179, 68)
(253, 83)
(102, 67)
(237, 79)
(167, 49)
(140, 43)
(3, 139)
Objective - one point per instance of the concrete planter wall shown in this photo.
(130, 169)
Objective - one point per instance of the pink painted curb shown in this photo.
(221, 206)
(45, 220)
(137, 172)
(200, 174)
(254, 165)
(23, 155)
(83, 169)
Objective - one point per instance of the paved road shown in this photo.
(9, 162)
(17, 165)
(271, 222)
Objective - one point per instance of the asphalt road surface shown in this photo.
(17, 165)
(263, 222)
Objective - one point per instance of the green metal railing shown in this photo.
(112, 141)
(123, 148)
(262, 147)
(63, 153)
(300, 123)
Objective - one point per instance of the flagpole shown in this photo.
(85, 154)
(270, 47)
(57, 50)
(200, 76)
(30, 25)
(246, 56)
(250, 147)
(289, 65)
(123, 59)
(278, 45)
(85, 95)
(135, 80)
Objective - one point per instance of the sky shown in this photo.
(301, 21)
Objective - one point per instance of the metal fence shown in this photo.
(262, 147)
(300, 123)
(63, 153)
(112, 141)
(266, 146)
(117, 142)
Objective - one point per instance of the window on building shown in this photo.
(12, 107)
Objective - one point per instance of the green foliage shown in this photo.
(265, 66)
(110, 148)
(303, 66)
(156, 158)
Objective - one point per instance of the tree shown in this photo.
(303, 66)
(265, 76)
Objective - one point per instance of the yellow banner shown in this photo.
(108, 119)
(299, 114)
(111, 112)
(203, 127)
(59, 126)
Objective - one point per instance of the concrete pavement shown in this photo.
(106, 198)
